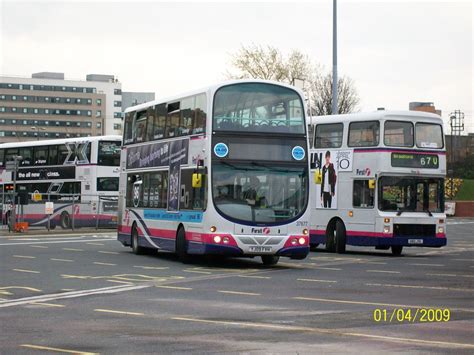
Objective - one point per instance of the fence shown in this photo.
(54, 210)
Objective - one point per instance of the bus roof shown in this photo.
(59, 141)
(377, 115)
(211, 88)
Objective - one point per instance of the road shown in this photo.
(88, 294)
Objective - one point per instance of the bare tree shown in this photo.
(268, 63)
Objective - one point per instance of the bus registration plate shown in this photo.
(260, 249)
(415, 241)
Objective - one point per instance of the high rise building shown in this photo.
(48, 106)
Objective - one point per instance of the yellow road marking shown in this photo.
(152, 267)
(6, 293)
(67, 289)
(384, 271)
(48, 304)
(101, 244)
(73, 249)
(119, 312)
(108, 264)
(120, 282)
(423, 287)
(39, 347)
(39, 246)
(24, 256)
(65, 260)
(380, 304)
(328, 331)
(23, 270)
(20, 287)
(313, 280)
(198, 271)
(175, 287)
(255, 277)
(239, 293)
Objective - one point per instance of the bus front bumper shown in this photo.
(411, 241)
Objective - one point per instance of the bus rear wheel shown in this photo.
(65, 220)
(136, 248)
(181, 251)
(397, 250)
(340, 237)
(270, 260)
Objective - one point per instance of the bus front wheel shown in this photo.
(397, 250)
(340, 238)
(136, 248)
(270, 259)
(65, 220)
(181, 251)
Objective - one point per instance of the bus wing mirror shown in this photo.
(197, 180)
(371, 184)
(318, 177)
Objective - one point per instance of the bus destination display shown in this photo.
(413, 160)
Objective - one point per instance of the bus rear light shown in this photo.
(225, 240)
(440, 230)
(386, 229)
(217, 239)
(294, 241)
(305, 231)
(213, 229)
(386, 220)
(302, 241)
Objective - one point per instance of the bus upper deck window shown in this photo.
(328, 135)
(398, 134)
(364, 134)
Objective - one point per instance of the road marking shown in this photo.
(379, 304)
(152, 267)
(450, 275)
(32, 289)
(314, 280)
(239, 293)
(424, 287)
(198, 271)
(375, 262)
(24, 256)
(327, 331)
(67, 289)
(33, 244)
(40, 347)
(72, 294)
(435, 265)
(255, 277)
(328, 268)
(23, 270)
(469, 260)
(175, 287)
(121, 282)
(48, 304)
(101, 244)
(5, 293)
(108, 252)
(73, 249)
(385, 271)
(107, 264)
(65, 260)
(118, 312)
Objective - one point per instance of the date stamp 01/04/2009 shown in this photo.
(411, 315)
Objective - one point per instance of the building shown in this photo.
(49, 106)
(424, 106)
(135, 98)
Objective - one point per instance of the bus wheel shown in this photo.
(136, 248)
(65, 220)
(331, 239)
(270, 259)
(181, 251)
(340, 237)
(397, 250)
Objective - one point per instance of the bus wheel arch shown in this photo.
(336, 236)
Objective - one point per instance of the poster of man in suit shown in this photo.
(328, 164)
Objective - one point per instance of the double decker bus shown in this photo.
(79, 175)
(378, 180)
(223, 170)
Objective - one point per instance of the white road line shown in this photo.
(384, 271)
(423, 287)
(119, 312)
(239, 293)
(313, 280)
(24, 256)
(419, 264)
(54, 242)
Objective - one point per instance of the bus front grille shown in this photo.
(414, 230)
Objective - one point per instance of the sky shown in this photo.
(395, 51)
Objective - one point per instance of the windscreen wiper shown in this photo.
(429, 212)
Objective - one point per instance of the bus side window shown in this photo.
(187, 116)
(2, 157)
(200, 114)
(151, 122)
(139, 129)
(53, 155)
(172, 119)
(362, 195)
(193, 196)
(128, 128)
(159, 124)
(328, 135)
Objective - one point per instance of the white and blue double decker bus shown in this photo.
(223, 170)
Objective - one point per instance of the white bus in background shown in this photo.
(223, 170)
(74, 172)
(378, 180)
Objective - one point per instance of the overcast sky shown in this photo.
(396, 52)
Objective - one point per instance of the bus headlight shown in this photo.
(217, 239)
(386, 229)
(440, 230)
(302, 241)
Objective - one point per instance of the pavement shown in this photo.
(86, 293)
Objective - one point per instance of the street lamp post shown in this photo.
(37, 129)
(16, 159)
(334, 57)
